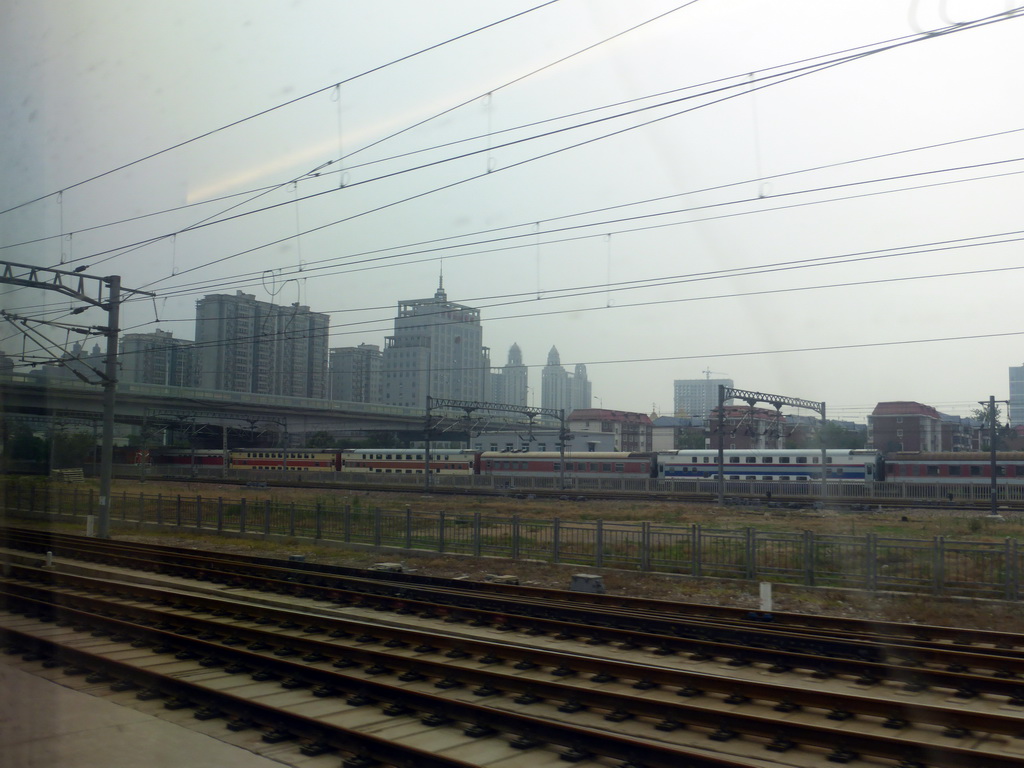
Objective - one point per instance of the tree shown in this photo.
(320, 440)
(72, 450)
(689, 439)
(984, 414)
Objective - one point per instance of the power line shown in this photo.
(861, 52)
(269, 110)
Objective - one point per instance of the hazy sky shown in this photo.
(656, 188)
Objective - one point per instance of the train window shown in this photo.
(815, 460)
(751, 477)
(975, 470)
(389, 455)
(619, 468)
(801, 459)
(707, 459)
(828, 459)
(751, 460)
(783, 459)
(1000, 470)
(933, 470)
(557, 467)
(784, 478)
(606, 467)
(734, 459)
(767, 459)
(734, 477)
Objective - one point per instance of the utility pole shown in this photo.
(113, 308)
(994, 489)
(100, 292)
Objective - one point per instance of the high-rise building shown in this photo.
(437, 351)
(509, 385)
(157, 358)
(697, 397)
(561, 389)
(355, 374)
(245, 345)
(1016, 410)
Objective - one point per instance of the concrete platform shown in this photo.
(44, 724)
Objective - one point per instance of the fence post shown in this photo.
(408, 527)
(319, 520)
(142, 507)
(440, 531)
(599, 545)
(477, 543)
(645, 546)
(74, 501)
(177, 510)
(159, 509)
(31, 498)
(346, 524)
(199, 512)
(220, 514)
(1012, 587)
(556, 540)
(809, 547)
(291, 519)
(695, 548)
(124, 504)
(750, 556)
(515, 537)
(376, 526)
(939, 565)
(871, 561)
(241, 516)
(89, 509)
(266, 517)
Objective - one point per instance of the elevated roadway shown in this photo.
(148, 404)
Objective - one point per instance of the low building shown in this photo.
(630, 431)
(905, 425)
(747, 427)
(673, 433)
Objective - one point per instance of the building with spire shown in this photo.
(436, 350)
(562, 390)
(509, 385)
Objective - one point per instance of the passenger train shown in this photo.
(773, 465)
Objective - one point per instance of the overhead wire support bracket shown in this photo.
(777, 401)
(103, 293)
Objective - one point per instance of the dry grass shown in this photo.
(919, 524)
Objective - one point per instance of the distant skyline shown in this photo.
(810, 198)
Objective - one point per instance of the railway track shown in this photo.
(583, 684)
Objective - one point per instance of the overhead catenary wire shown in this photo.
(860, 52)
(276, 107)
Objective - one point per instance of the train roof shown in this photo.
(569, 455)
(773, 451)
(955, 456)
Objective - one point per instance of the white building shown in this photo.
(1016, 411)
(697, 397)
(437, 351)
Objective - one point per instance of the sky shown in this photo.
(813, 198)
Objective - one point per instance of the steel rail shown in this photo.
(869, 630)
(690, 684)
(780, 735)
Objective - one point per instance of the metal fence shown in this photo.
(870, 561)
(1006, 492)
